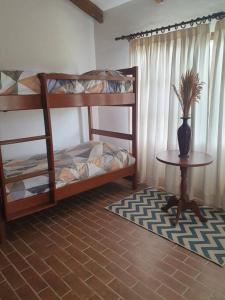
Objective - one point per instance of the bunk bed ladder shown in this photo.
(48, 132)
(5, 212)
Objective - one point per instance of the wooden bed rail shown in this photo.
(113, 134)
(20, 102)
(24, 140)
(14, 103)
(81, 100)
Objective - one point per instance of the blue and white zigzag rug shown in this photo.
(206, 239)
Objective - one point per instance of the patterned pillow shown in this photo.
(19, 83)
(105, 73)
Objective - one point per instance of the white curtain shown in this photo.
(214, 184)
(161, 60)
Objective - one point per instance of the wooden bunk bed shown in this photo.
(46, 101)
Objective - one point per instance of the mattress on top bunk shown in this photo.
(27, 83)
(71, 165)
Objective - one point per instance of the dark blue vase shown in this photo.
(184, 138)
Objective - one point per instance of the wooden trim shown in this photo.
(78, 100)
(90, 183)
(90, 8)
(23, 140)
(113, 134)
(26, 176)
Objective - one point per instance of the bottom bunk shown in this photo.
(77, 169)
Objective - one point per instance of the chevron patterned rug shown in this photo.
(206, 239)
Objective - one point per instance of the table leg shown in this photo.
(174, 221)
(184, 202)
(183, 196)
(193, 206)
(172, 201)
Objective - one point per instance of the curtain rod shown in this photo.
(218, 16)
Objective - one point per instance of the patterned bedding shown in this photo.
(25, 83)
(74, 164)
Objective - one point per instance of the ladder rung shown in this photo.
(23, 140)
(26, 176)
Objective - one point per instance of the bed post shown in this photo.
(134, 126)
(2, 227)
(134, 115)
(3, 200)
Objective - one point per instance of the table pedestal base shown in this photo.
(182, 206)
(183, 203)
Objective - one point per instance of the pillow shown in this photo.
(105, 73)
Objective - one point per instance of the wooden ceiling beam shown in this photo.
(90, 8)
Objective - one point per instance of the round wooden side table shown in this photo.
(195, 159)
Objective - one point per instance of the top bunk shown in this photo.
(25, 90)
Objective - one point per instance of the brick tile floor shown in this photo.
(78, 250)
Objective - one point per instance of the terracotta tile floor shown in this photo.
(78, 250)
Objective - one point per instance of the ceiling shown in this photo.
(107, 4)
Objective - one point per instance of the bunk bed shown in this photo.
(60, 91)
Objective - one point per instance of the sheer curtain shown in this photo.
(161, 60)
(214, 183)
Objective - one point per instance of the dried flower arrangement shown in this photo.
(189, 91)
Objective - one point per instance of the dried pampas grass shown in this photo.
(189, 91)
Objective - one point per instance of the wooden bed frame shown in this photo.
(16, 209)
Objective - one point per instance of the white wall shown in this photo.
(139, 15)
(47, 36)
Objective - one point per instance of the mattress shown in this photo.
(71, 165)
(27, 83)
